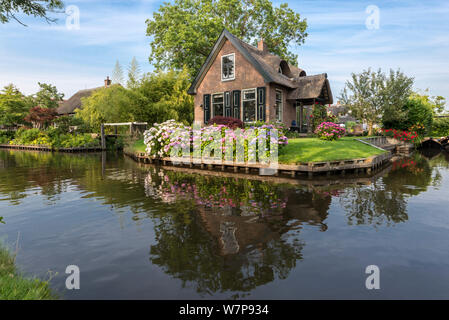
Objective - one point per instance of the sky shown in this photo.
(345, 36)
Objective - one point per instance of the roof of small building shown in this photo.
(69, 106)
(303, 87)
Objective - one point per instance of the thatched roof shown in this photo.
(268, 65)
(312, 87)
(69, 106)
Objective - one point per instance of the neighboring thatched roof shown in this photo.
(268, 65)
(312, 87)
(69, 106)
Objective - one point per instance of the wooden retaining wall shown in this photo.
(46, 148)
(366, 165)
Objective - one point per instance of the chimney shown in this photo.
(262, 46)
(107, 82)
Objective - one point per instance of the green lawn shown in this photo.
(138, 146)
(13, 286)
(311, 150)
(316, 150)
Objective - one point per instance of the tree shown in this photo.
(371, 95)
(157, 97)
(184, 32)
(117, 74)
(133, 73)
(41, 117)
(48, 96)
(13, 106)
(37, 8)
(162, 96)
(106, 105)
(397, 90)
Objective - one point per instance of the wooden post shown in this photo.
(103, 138)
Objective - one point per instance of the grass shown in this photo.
(316, 150)
(137, 146)
(13, 286)
(311, 150)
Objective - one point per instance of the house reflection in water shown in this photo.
(241, 221)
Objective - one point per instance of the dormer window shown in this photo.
(228, 67)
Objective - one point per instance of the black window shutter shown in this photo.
(261, 97)
(227, 103)
(236, 104)
(206, 107)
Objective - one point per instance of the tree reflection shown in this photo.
(240, 234)
(384, 202)
(217, 234)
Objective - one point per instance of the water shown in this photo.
(139, 232)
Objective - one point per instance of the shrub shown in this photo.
(26, 136)
(440, 127)
(6, 136)
(402, 135)
(161, 138)
(229, 122)
(329, 131)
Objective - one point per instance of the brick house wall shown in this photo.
(246, 77)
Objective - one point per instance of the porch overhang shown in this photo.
(312, 89)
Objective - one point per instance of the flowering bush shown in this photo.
(406, 136)
(230, 122)
(160, 138)
(163, 138)
(329, 131)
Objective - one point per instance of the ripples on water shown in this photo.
(144, 232)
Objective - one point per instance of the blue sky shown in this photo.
(412, 35)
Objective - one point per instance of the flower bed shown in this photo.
(401, 135)
(218, 141)
(329, 131)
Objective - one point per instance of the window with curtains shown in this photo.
(279, 105)
(249, 105)
(228, 67)
(217, 105)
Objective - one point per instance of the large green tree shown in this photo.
(14, 106)
(184, 32)
(156, 97)
(373, 96)
(38, 8)
(48, 96)
(162, 96)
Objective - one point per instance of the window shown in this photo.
(279, 105)
(228, 67)
(217, 105)
(249, 105)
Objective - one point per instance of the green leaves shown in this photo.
(37, 8)
(372, 96)
(184, 32)
(47, 96)
(13, 106)
(153, 98)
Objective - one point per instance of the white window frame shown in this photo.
(281, 109)
(255, 106)
(212, 103)
(221, 70)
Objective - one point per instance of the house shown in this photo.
(343, 113)
(69, 106)
(241, 81)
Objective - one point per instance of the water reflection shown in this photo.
(218, 234)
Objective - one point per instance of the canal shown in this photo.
(142, 232)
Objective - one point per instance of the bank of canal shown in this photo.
(148, 232)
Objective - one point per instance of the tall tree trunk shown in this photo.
(370, 128)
